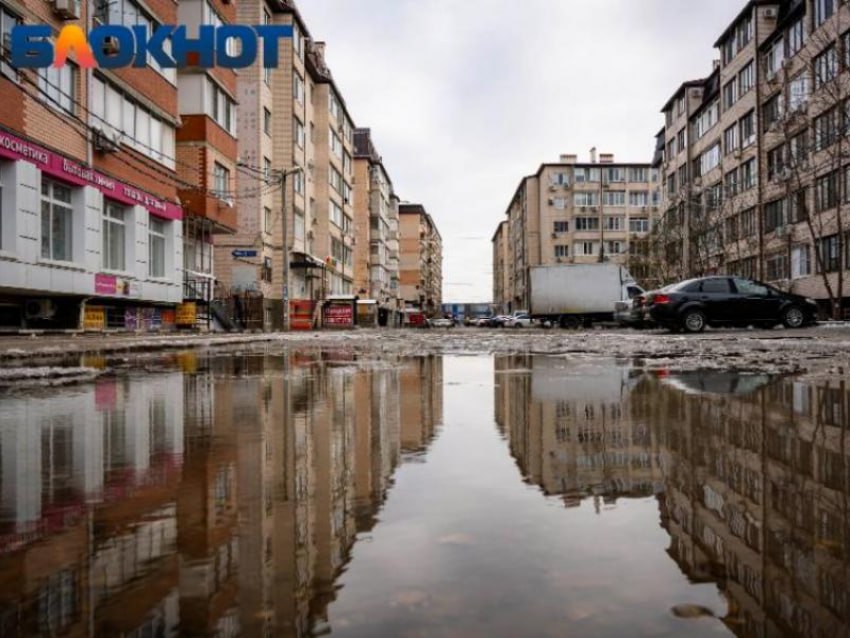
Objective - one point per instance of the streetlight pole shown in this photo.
(285, 248)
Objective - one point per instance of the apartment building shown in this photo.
(572, 213)
(755, 180)
(376, 248)
(291, 119)
(92, 227)
(420, 259)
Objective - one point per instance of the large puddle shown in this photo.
(314, 493)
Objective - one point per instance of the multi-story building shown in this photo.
(291, 118)
(92, 229)
(754, 156)
(570, 213)
(420, 259)
(376, 258)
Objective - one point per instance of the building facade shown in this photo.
(92, 229)
(753, 158)
(376, 254)
(420, 260)
(572, 213)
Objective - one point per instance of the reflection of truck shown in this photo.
(576, 295)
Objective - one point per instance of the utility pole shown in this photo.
(285, 248)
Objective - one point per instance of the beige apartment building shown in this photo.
(420, 259)
(376, 230)
(291, 118)
(753, 156)
(572, 213)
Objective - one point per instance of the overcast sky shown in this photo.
(465, 97)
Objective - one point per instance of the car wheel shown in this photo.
(793, 317)
(693, 321)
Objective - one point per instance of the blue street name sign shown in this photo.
(243, 253)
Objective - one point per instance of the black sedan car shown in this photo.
(727, 301)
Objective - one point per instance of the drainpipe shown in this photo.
(759, 145)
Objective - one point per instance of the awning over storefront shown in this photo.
(303, 260)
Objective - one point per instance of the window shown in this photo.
(731, 229)
(614, 224)
(798, 206)
(561, 179)
(335, 144)
(297, 87)
(614, 247)
(560, 203)
(220, 107)
(748, 223)
(776, 266)
(746, 79)
(798, 91)
(774, 57)
(796, 37)
(682, 138)
(298, 132)
(129, 13)
(730, 183)
(826, 129)
(826, 66)
(59, 86)
(775, 215)
(748, 287)
(748, 175)
(298, 226)
(730, 139)
(707, 119)
(297, 42)
(298, 182)
(710, 159)
(639, 225)
(776, 162)
(156, 247)
(826, 192)
(798, 150)
(615, 174)
(830, 260)
(638, 175)
(681, 104)
(334, 106)
(823, 11)
(267, 170)
(267, 219)
(7, 21)
(267, 122)
(587, 175)
(801, 261)
(336, 214)
(336, 180)
(586, 248)
(562, 251)
(211, 17)
(713, 196)
(561, 227)
(638, 199)
(586, 199)
(587, 223)
(221, 182)
(716, 286)
(730, 94)
(114, 236)
(772, 110)
(748, 129)
(614, 198)
(56, 221)
(845, 39)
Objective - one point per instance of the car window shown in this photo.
(633, 291)
(691, 285)
(751, 288)
(716, 286)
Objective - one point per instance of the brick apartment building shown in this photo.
(753, 156)
(572, 213)
(420, 260)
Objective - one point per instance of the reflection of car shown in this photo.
(716, 382)
(732, 301)
(521, 320)
(442, 322)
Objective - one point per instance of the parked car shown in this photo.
(442, 322)
(519, 320)
(727, 301)
(498, 321)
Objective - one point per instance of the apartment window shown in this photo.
(336, 214)
(638, 175)
(335, 144)
(772, 110)
(826, 129)
(586, 224)
(297, 42)
(298, 182)
(298, 132)
(267, 219)
(267, 122)
(798, 150)
(823, 11)
(713, 196)
(671, 184)
(748, 175)
(562, 251)
(267, 170)
(775, 215)
(211, 17)
(639, 225)
(774, 57)
(826, 192)
(561, 227)
(638, 199)
(730, 182)
(586, 248)
(731, 229)
(730, 94)
(221, 182)
(7, 21)
(681, 104)
(797, 206)
(775, 162)
(707, 119)
(830, 259)
(114, 236)
(299, 225)
(845, 39)
(748, 129)
(56, 221)
(614, 247)
(826, 66)
(614, 198)
(614, 224)
(560, 203)
(671, 148)
(156, 247)
(583, 175)
(297, 87)
(796, 38)
(776, 266)
(746, 79)
(334, 106)
(586, 199)
(710, 159)
(129, 13)
(561, 179)
(59, 86)
(799, 90)
(801, 261)
(616, 174)
(748, 223)
(730, 139)
(220, 107)
(336, 181)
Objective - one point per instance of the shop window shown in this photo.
(114, 236)
(57, 217)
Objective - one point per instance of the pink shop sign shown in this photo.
(70, 171)
(105, 284)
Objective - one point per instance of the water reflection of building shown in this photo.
(756, 496)
(221, 501)
(570, 428)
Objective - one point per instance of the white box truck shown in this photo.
(575, 295)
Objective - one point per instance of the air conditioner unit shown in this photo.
(67, 9)
(736, 153)
(554, 235)
(105, 141)
(40, 309)
(309, 234)
(551, 201)
(583, 209)
(553, 188)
